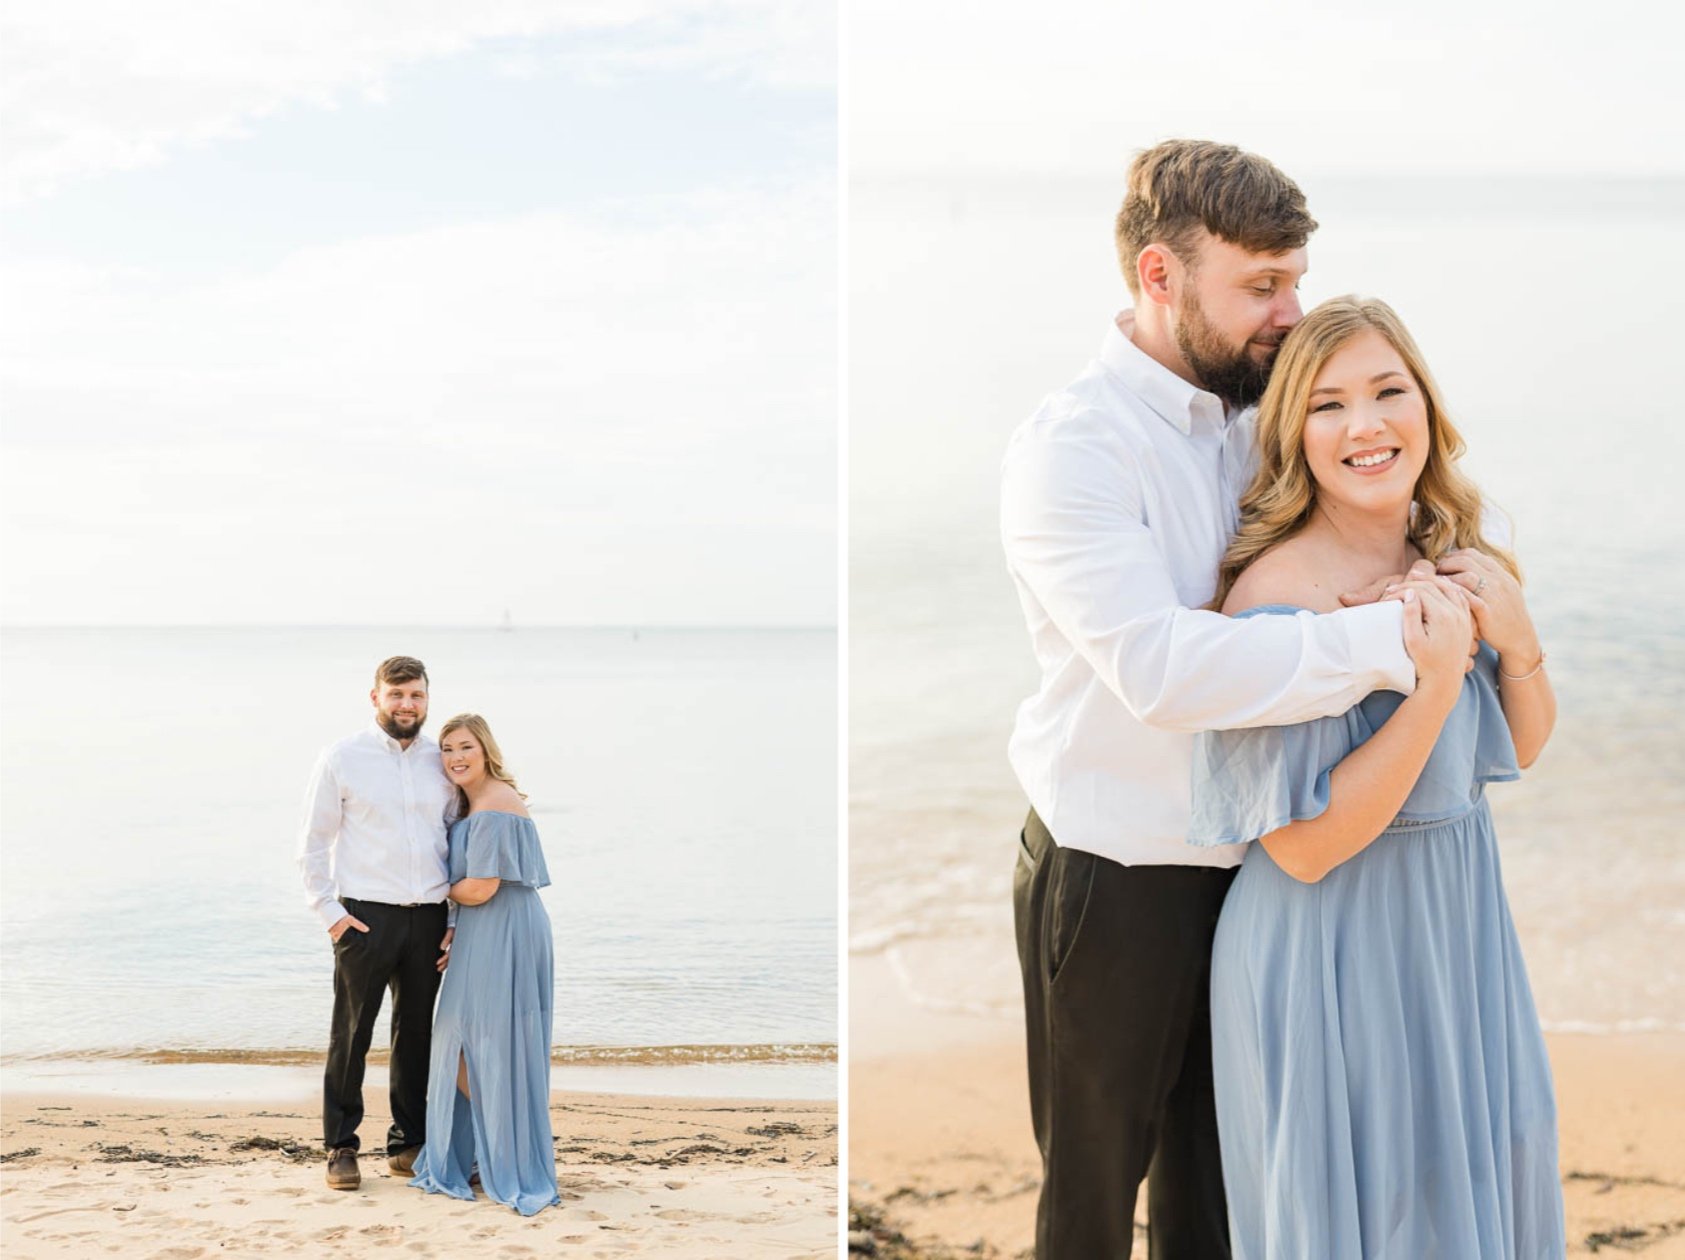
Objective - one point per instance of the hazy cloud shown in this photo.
(99, 85)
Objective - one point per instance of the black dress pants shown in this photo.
(400, 951)
(1117, 967)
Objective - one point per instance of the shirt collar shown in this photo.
(379, 735)
(1168, 395)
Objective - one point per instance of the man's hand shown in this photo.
(1376, 589)
(445, 949)
(345, 925)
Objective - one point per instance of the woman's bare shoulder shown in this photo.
(1282, 575)
(505, 800)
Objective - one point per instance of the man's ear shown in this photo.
(1157, 271)
(374, 697)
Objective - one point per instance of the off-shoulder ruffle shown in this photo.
(497, 845)
(1249, 783)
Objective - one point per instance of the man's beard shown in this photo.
(391, 726)
(1233, 375)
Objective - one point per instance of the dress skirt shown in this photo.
(496, 1009)
(1383, 1091)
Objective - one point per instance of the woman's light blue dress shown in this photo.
(496, 1006)
(1383, 1090)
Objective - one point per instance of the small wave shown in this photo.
(669, 1056)
(878, 940)
(1614, 1028)
(919, 997)
(772, 1053)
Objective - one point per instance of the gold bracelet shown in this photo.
(1527, 675)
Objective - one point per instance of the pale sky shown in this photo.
(1442, 86)
(415, 312)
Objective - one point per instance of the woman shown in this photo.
(488, 1096)
(1382, 1084)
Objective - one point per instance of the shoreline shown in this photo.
(686, 1177)
(942, 1161)
(244, 1080)
(775, 1053)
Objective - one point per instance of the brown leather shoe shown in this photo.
(342, 1169)
(403, 1163)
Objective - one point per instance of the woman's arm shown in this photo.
(1501, 617)
(1529, 705)
(1367, 789)
(474, 892)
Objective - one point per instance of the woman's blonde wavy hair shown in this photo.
(476, 726)
(1278, 504)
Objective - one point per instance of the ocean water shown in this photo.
(683, 781)
(972, 299)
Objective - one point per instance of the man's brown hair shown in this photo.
(399, 669)
(1180, 186)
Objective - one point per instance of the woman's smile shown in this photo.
(1376, 459)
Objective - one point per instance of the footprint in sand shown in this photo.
(685, 1216)
(177, 1253)
(91, 1207)
(674, 1185)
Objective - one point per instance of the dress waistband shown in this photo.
(1418, 824)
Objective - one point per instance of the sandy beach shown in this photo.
(941, 1153)
(669, 1177)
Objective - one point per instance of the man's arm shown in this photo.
(316, 842)
(452, 811)
(1074, 527)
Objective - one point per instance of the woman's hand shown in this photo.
(1438, 631)
(445, 950)
(1500, 610)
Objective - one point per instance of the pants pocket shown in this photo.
(1026, 856)
(1035, 842)
(1070, 888)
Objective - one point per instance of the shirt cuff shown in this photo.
(1375, 636)
(450, 914)
(331, 912)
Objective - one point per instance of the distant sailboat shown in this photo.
(508, 621)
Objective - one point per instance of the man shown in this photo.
(374, 857)
(1119, 497)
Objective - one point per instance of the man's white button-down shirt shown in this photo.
(1118, 500)
(374, 824)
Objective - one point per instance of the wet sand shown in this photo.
(941, 1153)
